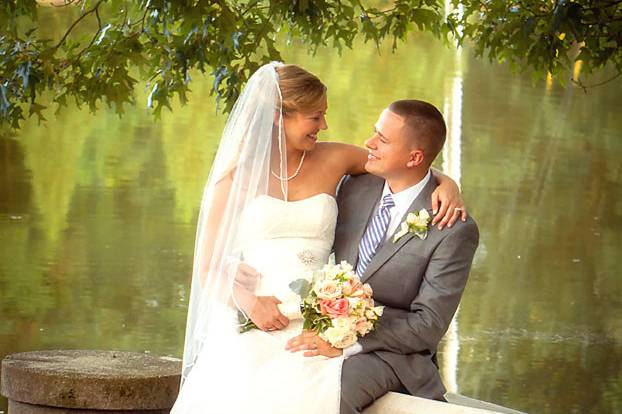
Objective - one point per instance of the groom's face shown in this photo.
(389, 151)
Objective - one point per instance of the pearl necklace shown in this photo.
(302, 159)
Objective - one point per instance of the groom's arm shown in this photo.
(431, 311)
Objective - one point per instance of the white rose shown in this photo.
(341, 334)
(345, 324)
(346, 267)
(420, 220)
(423, 214)
(354, 302)
(370, 314)
(363, 326)
(327, 289)
(331, 271)
(346, 340)
(318, 276)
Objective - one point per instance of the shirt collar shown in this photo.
(405, 198)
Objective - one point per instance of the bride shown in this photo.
(267, 218)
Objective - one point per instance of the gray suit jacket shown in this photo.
(419, 282)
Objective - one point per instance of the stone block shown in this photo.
(89, 380)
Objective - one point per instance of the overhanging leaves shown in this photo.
(110, 46)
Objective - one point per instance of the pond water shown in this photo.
(97, 221)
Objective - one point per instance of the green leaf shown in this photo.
(245, 323)
(35, 109)
(301, 287)
(165, 40)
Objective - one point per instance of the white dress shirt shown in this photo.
(402, 201)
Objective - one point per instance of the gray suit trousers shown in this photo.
(364, 379)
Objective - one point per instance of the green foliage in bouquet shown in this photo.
(310, 308)
(245, 323)
(313, 318)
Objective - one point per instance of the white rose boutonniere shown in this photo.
(417, 223)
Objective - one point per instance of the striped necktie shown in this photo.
(376, 230)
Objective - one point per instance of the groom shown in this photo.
(419, 280)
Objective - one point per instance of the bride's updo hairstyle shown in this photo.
(302, 91)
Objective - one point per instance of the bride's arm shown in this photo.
(262, 310)
(213, 220)
(353, 158)
(447, 202)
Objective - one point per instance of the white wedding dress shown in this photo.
(252, 372)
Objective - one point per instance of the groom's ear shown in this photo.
(416, 158)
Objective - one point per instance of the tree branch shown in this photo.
(66, 3)
(142, 21)
(581, 85)
(99, 29)
(93, 10)
(250, 7)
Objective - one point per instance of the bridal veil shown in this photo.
(251, 148)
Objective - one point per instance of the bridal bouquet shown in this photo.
(336, 305)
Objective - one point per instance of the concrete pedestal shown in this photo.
(106, 382)
(394, 403)
(79, 381)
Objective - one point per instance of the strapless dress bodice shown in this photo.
(272, 218)
(287, 240)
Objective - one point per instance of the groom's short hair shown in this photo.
(425, 125)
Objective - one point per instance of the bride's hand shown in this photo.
(451, 205)
(266, 314)
(312, 344)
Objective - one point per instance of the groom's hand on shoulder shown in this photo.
(312, 345)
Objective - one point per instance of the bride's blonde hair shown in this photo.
(301, 90)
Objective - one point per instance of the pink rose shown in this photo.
(362, 326)
(358, 294)
(360, 323)
(334, 307)
(362, 291)
(351, 286)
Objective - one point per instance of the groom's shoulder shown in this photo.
(354, 182)
(462, 230)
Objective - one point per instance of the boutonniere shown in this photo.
(417, 223)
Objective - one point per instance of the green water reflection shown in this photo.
(97, 222)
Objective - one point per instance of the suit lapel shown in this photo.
(388, 249)
(366, 204)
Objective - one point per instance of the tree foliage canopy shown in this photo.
(111, 45)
